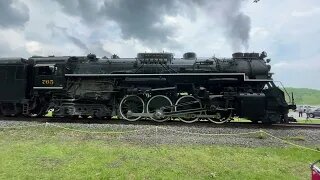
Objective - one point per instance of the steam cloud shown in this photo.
(143, 19)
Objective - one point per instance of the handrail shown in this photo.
(290, 97)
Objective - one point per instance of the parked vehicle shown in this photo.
(315, 171)
(314, 113)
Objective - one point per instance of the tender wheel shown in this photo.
(11, 110)
(185, 103)
(74, 117)
(131, 104)
(157, 106)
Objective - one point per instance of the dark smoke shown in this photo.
(95, 47)
(13, 14)
(77, 42)
(143, 19)
(237, 25)
(238, 32)
(61, 31)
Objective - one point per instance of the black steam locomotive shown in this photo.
(153, 86)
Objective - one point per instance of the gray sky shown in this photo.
(287, 30)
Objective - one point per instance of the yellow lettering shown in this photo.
(47, 82)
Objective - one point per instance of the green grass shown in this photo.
(305, 96)
(51, 153)
(260, 136)
(310, 121)
(296, 138)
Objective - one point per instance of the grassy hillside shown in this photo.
(305, 96)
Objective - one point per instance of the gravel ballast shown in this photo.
(183, 135)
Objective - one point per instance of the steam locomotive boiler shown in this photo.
(154, 86)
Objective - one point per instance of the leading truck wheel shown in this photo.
(131, 104)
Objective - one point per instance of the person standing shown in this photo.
(300, 110)
(308, 110)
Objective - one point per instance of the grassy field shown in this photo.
(310, 121)
(305, 96)
(50, 153)
(299, 120)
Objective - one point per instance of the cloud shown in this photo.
(298, 72)
(7, 51)
(34, 47)
(144, 20)
(88, 10)
(307, 13)
(12, 43)
(298, 65)
(13, 14)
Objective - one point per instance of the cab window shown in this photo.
(58, 71)
(46, 70)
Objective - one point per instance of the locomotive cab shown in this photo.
(49, 76)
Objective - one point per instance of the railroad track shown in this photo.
(298, 125)
(232, 124)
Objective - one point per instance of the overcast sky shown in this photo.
(288, 30)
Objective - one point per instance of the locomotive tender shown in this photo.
(153, 86)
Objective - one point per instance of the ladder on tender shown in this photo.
(25, 108)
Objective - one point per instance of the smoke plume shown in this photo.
(95, 47)
(235, 23)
